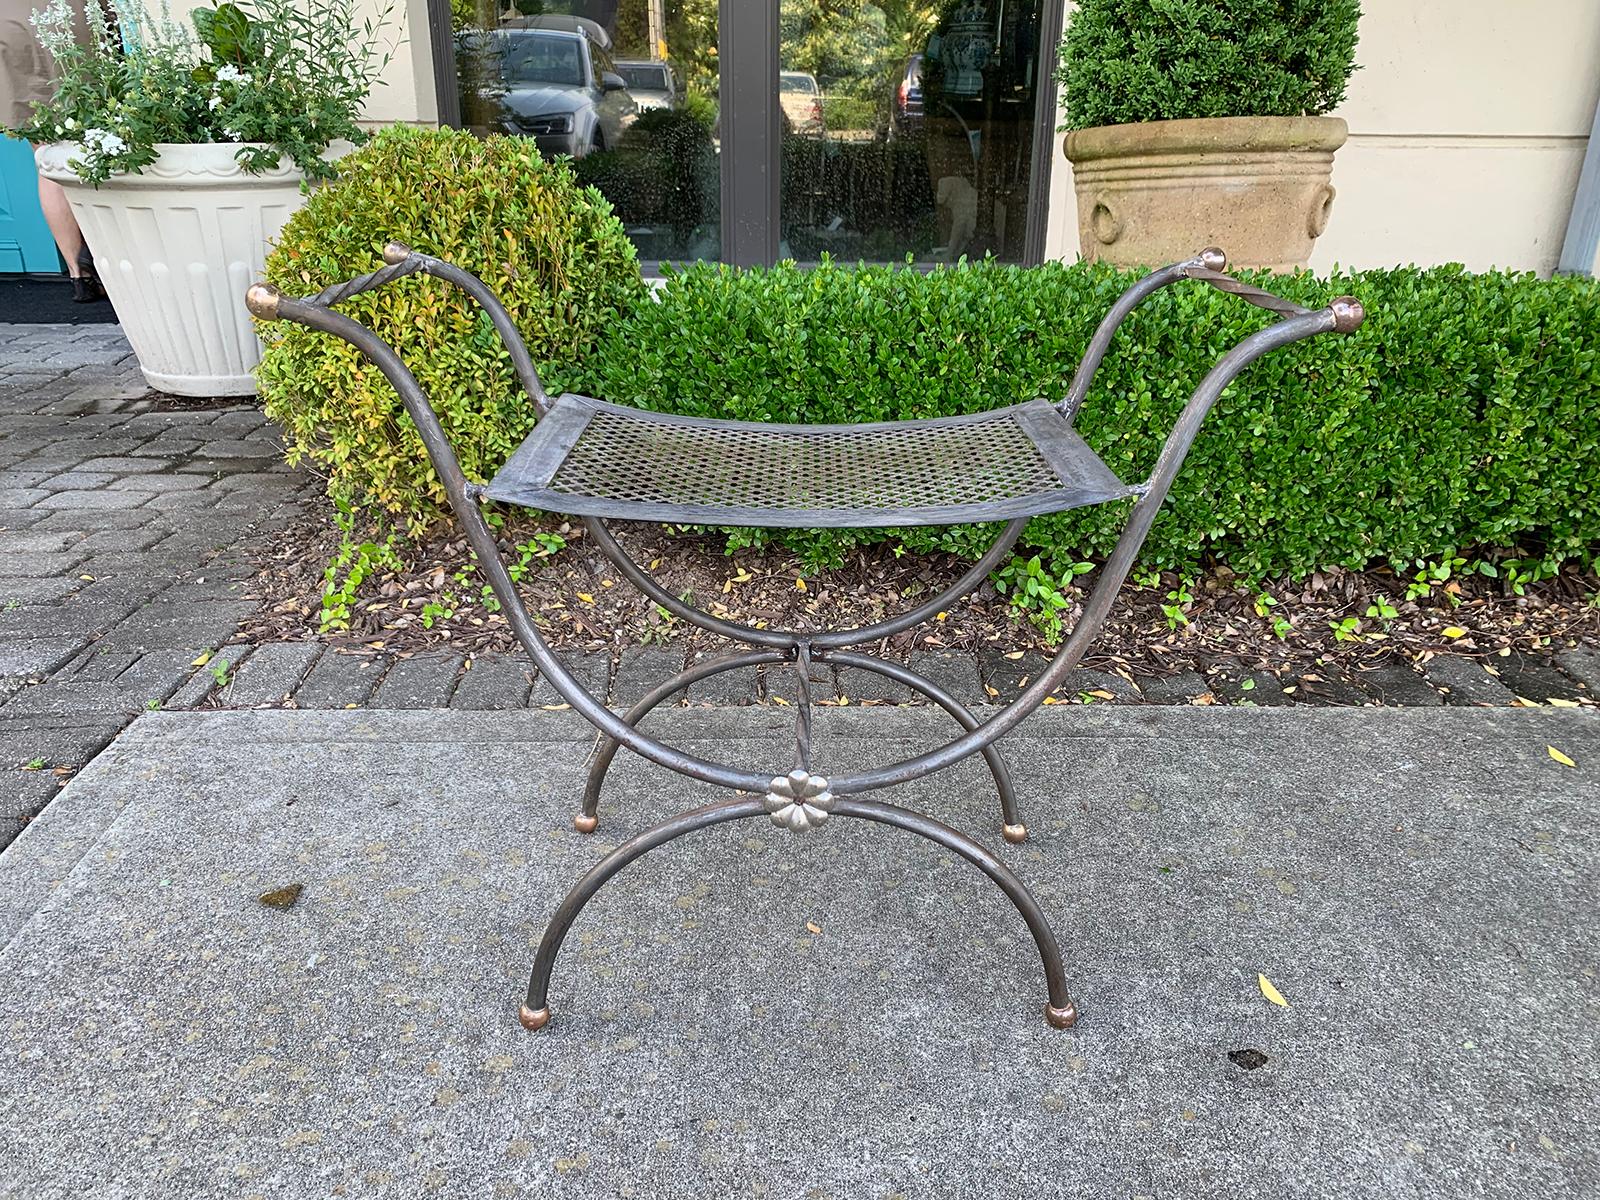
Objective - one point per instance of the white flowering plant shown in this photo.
(284, 78)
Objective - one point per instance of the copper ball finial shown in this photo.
(1015, 834)
(396, 253)
(262, 301)
(1347, 314)
(1213, 259)
(584, 823)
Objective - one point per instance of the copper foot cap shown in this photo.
(534, 1018)
(262, 301)
(584, 823)
(1061, 1018)
(1015, 834)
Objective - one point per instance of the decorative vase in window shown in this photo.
(965, 48)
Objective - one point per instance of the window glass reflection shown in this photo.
(627, 88)
(907, 128)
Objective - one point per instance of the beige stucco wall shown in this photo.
(1468, 123)
(405, 91)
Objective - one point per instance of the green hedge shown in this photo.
(1464, 414)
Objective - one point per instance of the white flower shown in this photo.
(215, 103)
(54, 27)
(103, 142)
(228, 73)
(69, 123)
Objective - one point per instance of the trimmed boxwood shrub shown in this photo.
(1163, 60)
(1464, 414)
(550, 249)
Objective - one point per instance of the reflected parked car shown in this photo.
(650, 83)
(559, 88)
(801, 101)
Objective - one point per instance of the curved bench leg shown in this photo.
(1059, 1009)
(588, 819)
(1011, 826)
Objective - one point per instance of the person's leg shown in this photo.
(63, 225)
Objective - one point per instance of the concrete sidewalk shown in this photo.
(1420, 884)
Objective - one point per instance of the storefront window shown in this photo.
(902, 128)
(907, 128)
(628, 90)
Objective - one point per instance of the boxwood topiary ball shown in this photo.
(548, 247)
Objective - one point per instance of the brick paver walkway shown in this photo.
(124, 546)
(126, 534)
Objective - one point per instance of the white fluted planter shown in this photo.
(176, 245)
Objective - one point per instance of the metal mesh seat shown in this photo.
(594, 459)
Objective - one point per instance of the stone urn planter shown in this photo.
(176, 245)
(1152, 192)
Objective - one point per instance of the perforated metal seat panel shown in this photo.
(589, 458)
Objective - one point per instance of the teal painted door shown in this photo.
(25, 242)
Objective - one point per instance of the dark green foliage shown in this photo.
(550, 249)
(664, 171)
(1162, 60)
(1466, 413)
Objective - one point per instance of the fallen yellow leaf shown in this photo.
(799, 585)
(1562, 702)
(585, 597)
(1560, 757)
(1453, 631)
(1272, 993)
(205, 657)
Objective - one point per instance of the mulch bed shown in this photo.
(579, 601)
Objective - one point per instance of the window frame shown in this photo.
(750, 162)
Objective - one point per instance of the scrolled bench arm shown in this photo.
(267, 302)
(1342, 316)
(1207, 267)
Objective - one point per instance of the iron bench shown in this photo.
(599, 461)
